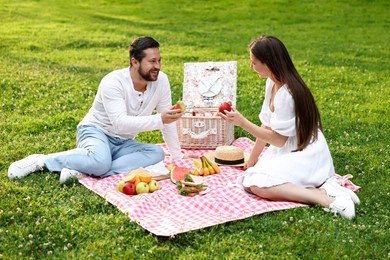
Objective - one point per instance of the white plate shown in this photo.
(204, 191)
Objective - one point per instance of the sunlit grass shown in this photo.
(54, 53)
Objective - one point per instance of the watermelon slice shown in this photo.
(179, 173)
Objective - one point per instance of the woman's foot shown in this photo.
(342, 205)
(334, 189)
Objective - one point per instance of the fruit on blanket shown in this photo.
(137, 180)
(120, 185)
(142, 187)
(197, 163)
(180, 105)
(129, 188)
(170, 167)
(145, 176)
(196, 172)
(225, 106)
(178, 173)
(212, 164)
(141, 181)
(153, 186)
(131, 177)
(207, 165)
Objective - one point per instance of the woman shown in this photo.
(297, 166)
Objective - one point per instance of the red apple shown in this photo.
(225, 106)
(129, 188)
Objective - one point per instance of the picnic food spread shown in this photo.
(188, 180)
(178, 173)
(229, 155)
(137, 182)
(205, 167)
(187, 183)
(191, 186)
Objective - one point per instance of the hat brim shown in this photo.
(211, 157)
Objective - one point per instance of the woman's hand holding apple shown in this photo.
(234, 117)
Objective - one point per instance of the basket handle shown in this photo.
(201, 135)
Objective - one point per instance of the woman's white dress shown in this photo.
(307, 168)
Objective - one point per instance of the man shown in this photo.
(123, 107)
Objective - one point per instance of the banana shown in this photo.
(205, 168)
(196, 172)
(206, 172)
(207, 165)
(211, 169)
(197, 163)
(214, 165)
(171, 166)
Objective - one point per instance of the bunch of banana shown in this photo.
(198, 167)
(205, 167)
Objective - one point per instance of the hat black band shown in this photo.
(229, 162)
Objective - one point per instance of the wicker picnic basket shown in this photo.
(206, 85)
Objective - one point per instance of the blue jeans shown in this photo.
(101, 155)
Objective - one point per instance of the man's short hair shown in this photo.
(140, 44)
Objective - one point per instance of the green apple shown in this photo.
(154, 185)
(120, 185)
(142, 187)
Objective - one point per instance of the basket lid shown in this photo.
(208, 84)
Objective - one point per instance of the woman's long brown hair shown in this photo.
(272, 52)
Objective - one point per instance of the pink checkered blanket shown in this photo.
(166, 213)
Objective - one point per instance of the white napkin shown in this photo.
(158, 170)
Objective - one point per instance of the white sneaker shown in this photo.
(343, 205)
(67, 174)
(334, 189)
(24, 167)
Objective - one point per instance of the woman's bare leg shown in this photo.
(292, 192)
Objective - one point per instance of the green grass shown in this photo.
(54, 53)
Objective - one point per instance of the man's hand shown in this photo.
(171, 115)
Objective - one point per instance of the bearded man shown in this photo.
(123, 107)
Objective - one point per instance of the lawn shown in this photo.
(54, 53)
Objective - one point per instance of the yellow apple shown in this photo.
(153, 185)
(120, 185)
(142, 187)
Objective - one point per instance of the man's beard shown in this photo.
(148, 75)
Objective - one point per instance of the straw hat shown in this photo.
(228, 155)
